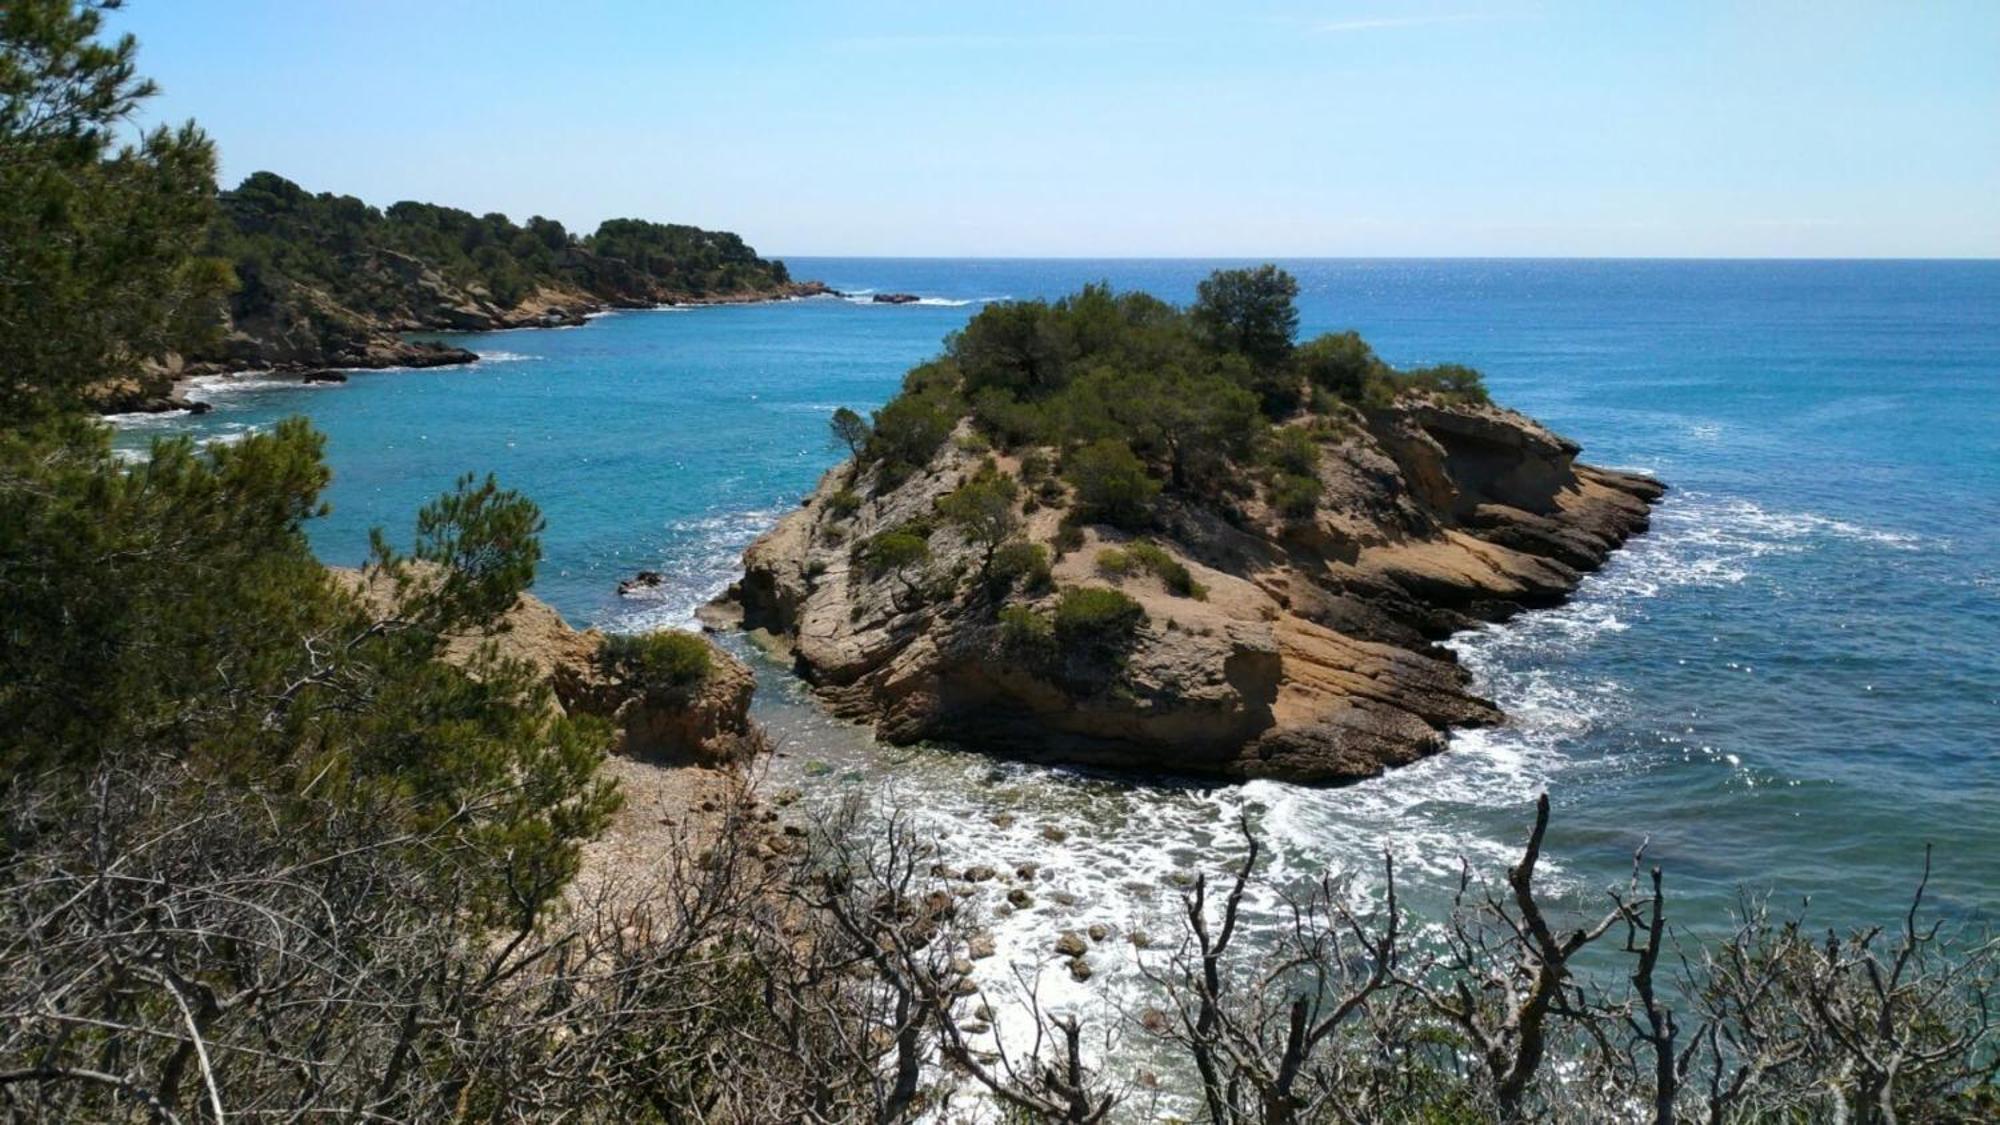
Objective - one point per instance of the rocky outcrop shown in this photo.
(1311, 654)
(707, 723)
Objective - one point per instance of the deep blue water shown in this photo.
(1793, 682)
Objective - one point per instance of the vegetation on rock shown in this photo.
(664, 664)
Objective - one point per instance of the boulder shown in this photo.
(644, 582)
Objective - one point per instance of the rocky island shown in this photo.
(1106, 531)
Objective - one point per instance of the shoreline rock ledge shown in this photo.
(1305, 648)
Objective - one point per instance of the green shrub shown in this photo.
(909, 431)
(844, 503)
(1022, 564)
(894, 550)
(1341, 365)
(1111, 483)
(1168, 569)
(1293, 451)
(1093, 618)
(1035, 466)
(666, 663)
(1451, 381)
(1026, 632)
(1114, 563)
(1296, 496)
(1069, 537)
(1010, 421)
(982, 510)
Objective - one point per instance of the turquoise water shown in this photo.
(1793, 682)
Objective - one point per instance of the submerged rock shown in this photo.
(644, 582)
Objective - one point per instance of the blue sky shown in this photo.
(1462, 127)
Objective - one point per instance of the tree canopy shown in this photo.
(101, 263)
(1137, 395)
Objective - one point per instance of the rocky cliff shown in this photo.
(328, 281)
(705, 723)
(1301, 645)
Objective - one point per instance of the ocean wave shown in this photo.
(504, 357)
(219, 390)
(145, 420)
(229, 433)
(705, 557)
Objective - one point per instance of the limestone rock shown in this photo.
(1312, 656)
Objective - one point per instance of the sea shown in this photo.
(1787, 692)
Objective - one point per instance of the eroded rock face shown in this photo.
(1312, 655)
(708, 724)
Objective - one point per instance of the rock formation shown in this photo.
(706, 724)
(1305, 648)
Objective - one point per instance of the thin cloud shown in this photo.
(1387, 23)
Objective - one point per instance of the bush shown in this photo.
(666, 663)
(1022, 564)
(908, 432)
(1296, 496)
(1111, 484)
(1451, 381)
(1010, 421)
(843, 503)
(1096, 619)
(1026, 632)
(1340, 364)
(1114, 563)
(1035, 466)
(1168, 569)
(1069, 537)
(982, 510)
(894, 550)
(1293, 451)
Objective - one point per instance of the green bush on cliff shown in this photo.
(1451, 381)
(907, 432)
(1026, 632)
(1296, 496)
(1111, 484)
(1096, 618)
(893, 551)
(843, 503)
(984, 511)
(1021, 564)
(664, 664)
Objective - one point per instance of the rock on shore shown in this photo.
(708, 724)
(1312, 656)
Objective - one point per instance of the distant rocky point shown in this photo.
(327, 281)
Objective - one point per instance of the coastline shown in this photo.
(145, 394)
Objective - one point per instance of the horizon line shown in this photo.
(1830, 258)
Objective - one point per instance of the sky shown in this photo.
(1121, 128)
